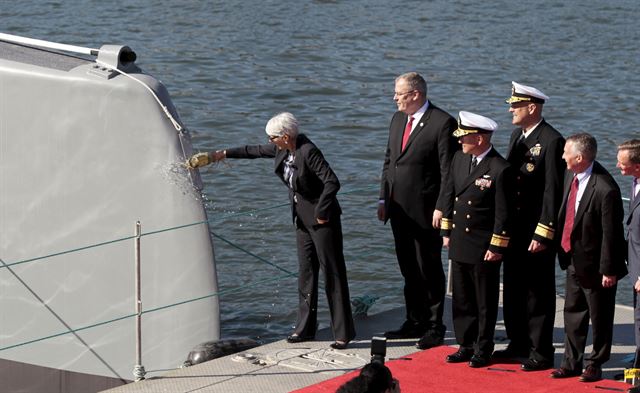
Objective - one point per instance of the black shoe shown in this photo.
(409, 329)
(511, 352)
(535, 365)
(477, 361)
(561, 373)
(635, 389)
(339, 344)
(463, 355)
(296, 338)
(591, 374)
(430, 339)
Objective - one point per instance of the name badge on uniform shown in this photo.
(484, 182)
(535, 150)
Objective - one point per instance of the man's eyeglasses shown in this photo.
(402, 94)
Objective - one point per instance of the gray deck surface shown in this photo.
(282, 367)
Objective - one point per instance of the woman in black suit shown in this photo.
(316, 215)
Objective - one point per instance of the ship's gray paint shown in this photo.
(84, 154)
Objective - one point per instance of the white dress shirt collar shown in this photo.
(527, 133)
(479, 157)
(418, 115)
(583, 179)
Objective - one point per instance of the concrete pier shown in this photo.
(281, 367)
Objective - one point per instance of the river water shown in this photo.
(230, 66)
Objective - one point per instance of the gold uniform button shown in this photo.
(468, 215)
(466, 229)
(469, 202)
(456, 199)
(453, 225)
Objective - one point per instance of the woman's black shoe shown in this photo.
(295, 338)
(339, 345)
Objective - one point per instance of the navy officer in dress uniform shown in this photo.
(475, 227)
(535, 154)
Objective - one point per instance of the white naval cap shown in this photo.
(470, 123)
(523, 93)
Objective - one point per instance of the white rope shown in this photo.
(139, 372)
(176, 125)
(86, 51)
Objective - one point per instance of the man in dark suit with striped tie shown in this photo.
(592, 251)
(629, 165)
(416, 164)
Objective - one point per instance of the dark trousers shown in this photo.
(580, 305)
(320, 248)
(476, 289)
(418, 250)
(636, 326)
(529, 301)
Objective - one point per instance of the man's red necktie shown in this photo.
(570, 215)
(407, 132)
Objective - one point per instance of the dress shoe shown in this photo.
(477, 361)
(462, 355)
(430, 339)
(511, 352)
(339, 344)
(409, 329)
(296, 338)
(535, 365)
(560, 373)
(635, 389)
(591, 374)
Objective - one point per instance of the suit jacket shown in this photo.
(315, 185)
(539, 169)
(597, 237)
(633, 238)
(413, 177)
(476, 213)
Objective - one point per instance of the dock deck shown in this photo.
(281, 367)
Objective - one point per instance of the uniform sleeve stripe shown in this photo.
(546, 227)
(445, 224)
(545, 231)
(499, 241)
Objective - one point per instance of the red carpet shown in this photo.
(427, 371)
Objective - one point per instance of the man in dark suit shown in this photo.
(416, 163)
(629, 165)
(592, 250)
(316, 213)
(535, 152)
(475, 226)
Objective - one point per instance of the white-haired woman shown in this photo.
(316, 215)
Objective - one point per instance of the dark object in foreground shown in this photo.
(214, 349)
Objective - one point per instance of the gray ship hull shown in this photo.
(85, 153)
